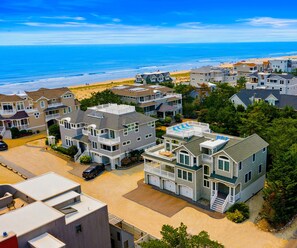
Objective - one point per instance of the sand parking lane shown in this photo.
(111, 188)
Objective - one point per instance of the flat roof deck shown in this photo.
(46, 186)
(28, 218)
(46, 241)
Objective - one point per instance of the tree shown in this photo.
(54, 130)
(98, 98)
(180, 238)
(241, 83)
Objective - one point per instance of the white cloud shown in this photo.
(75, 18)
(190, 25)
(116, 20)
(269, 21)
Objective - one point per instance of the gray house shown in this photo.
(247, 97)
(108, 133)
(197, 164)
(153, 77)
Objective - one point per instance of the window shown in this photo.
(20, 106)
(105, 147)
(128, 142)
(68, 141)
(179, 173)
(240, 165)
(194, 161)
(67, 125)
(131, 127)
(94, 145)
(224, 163)
(190, 176)
(151, 124)
(36, 114)
(119, 236)
(42, 104)
(254, 158)
(260, 169)
(184, 158)
(148, 136)
(93, 132)
(264, 149)
(67, 95)
(138, 139)
(69, 109)
(206, 176)
(78, 229)
(248, 177)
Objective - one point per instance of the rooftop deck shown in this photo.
(188, 129)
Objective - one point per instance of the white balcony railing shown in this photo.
(214, 194)
(8, 112)
(51, 117)
(158, 171)
(169, 95)
(206, 158)
(237, 196)
(31, 110)
(157, 150)
(2, 130)
(225, 203)
(53, 105)
(110, 141)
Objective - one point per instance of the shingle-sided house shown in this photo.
(108, 133)
(152, 99)
(34, 110)
(248, 97)
(153, 77)
(195, 163)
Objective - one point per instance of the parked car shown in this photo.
(93, 171)
(3, 146)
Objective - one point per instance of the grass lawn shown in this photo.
(22, 141)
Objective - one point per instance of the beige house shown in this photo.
(34, 110)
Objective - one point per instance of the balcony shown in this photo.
(52, 117)
(85, 132)
(188, 129)
(160, 152)
(8, 112)
(31, 110)
(54, 105)
(109, 141)
(158, 171)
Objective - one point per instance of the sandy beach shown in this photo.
(85, 91)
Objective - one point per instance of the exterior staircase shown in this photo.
(77, 158)
(218, 205)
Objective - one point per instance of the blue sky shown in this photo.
(39, 22)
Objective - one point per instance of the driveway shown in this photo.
(112, 187)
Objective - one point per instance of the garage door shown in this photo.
(154, 180)
(96, 158)
(169, 185)
(186, 191)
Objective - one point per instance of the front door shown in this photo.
(82, 146)
(223, 190)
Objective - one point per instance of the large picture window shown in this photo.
(184, 158)
(224, 163)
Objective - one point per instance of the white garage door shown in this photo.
(154, 180)
(96, 158)
(186, 191)
(169, 185)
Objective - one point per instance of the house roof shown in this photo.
(47, 93)
(146, 104)
(106, 120)
(10, 98)
(140, 90)
(283, 100)
(17, 116)
(245, 148)
(165, 108)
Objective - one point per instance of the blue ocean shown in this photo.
(31, 67)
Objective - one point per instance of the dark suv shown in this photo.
(3, 146)
(93, 171)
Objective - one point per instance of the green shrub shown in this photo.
(178, 118)
(85, 159)
(236, 216)
(168, 120)
(23, 132)
(72, 150)
(15, 133)
(160, 133)
(238, 212)
(46, 142)
(62, 150)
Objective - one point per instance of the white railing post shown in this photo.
(225, 203)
